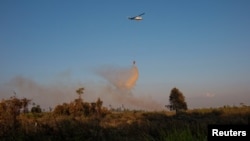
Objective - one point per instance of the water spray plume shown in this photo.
(121, 82)
(121, 78)
(133, 77)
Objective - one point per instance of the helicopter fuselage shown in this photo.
(137, 18)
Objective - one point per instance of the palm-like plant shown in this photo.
(80, 91)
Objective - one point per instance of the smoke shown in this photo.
(44, 95)
(121, 78)
(209, 95)
(119, 90)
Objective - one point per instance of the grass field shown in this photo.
(120, 126)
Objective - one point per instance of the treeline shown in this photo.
(16, 118)
(10, 110)
(81, 120)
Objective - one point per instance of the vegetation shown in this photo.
(80, 120)
(177, 101)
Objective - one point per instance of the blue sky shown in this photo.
(200, 47)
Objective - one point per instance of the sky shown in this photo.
(49, 48)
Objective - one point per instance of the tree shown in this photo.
(99, 106)
(92, 108)
(36, 109)
(80, 92)
(62, 109)
(77, 106)
(25, 103)
(9, 112)
(177, 100)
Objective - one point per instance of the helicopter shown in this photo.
(137, 18)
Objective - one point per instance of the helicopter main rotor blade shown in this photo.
(141, 14)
